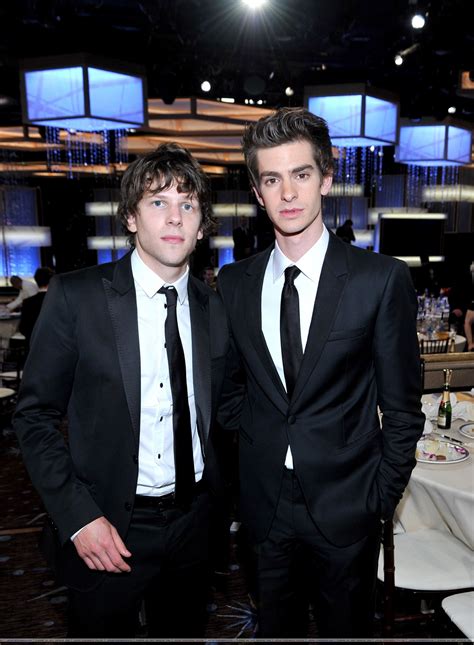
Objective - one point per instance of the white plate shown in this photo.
(467, 429)
(437, 451)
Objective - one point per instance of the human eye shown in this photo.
(303, 175)
(269, 181)
(159, 203)
(188, 207)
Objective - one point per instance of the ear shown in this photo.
(326, 184)
(200, 234)
(258, 196)
(132, 223)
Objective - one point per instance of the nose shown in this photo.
(174, 215)
(288, 190)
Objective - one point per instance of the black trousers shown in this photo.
(296, 565)
(169, 565)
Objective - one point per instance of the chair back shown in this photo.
(434, 346)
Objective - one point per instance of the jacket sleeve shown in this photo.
(234, 386)
(397, 365)
(42, 404)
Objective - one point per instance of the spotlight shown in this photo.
(205, 86)
(254, 4)
(289, 91)
(418, 21)
(398, 60)
(452, 109)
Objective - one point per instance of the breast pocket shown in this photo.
(346, 334)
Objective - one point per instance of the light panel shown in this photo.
(26, 236)
(355, 116)
(102, 242)
(427, 144)
(81, 95)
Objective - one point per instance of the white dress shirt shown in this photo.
(310, 265)
(28, 289)
(155, 454)
(156, 475)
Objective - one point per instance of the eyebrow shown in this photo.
(274, 173)
(161, 195)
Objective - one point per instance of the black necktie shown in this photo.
(290, 330)
(182, 440)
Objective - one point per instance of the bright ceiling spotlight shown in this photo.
(289, 91)
(205, 86)
(254, 4)
(452, 109)
(418, 21)
(398, 60)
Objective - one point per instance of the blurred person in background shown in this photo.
(31, 307)
(26, 288)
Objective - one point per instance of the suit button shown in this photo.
(128, 506)
(135, 459)
(291, 419)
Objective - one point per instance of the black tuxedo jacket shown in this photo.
(361, 352)
(85, 361)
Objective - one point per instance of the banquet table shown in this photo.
(441, 495)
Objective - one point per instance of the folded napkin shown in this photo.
(462, 408)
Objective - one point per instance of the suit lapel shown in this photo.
(331, 287)
(199, 314)
(122, 305)
(252, 293)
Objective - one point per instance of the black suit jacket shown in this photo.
(361, 352)
(85, 361)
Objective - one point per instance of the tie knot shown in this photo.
(291, 273)
(171, 295)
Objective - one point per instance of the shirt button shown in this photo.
(159, 456)
(128, 506)
(161, 384)
(161, 418)
(135, 459)
(291, 420)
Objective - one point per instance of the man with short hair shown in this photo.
(326, 334)
(134, 352)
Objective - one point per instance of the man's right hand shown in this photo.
(101, 547)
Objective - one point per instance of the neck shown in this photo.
(168, 274)
(295, 246)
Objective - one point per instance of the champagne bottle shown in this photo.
(445, 410)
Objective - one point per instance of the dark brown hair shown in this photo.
(169, 163)
(285, 126)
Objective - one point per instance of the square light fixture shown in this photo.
(357, 116)
(430, 143)
(83, 93)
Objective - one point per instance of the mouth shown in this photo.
(291, 212)
(173, 239)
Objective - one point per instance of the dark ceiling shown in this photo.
(252, 54)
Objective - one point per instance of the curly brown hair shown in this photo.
(169, 163)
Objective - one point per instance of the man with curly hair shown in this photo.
(133, 352)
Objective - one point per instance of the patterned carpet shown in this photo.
(33, 606)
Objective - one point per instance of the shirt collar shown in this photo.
(150, 281)
(309, 264)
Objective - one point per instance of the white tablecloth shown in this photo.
(441, 495)
(8, 326)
